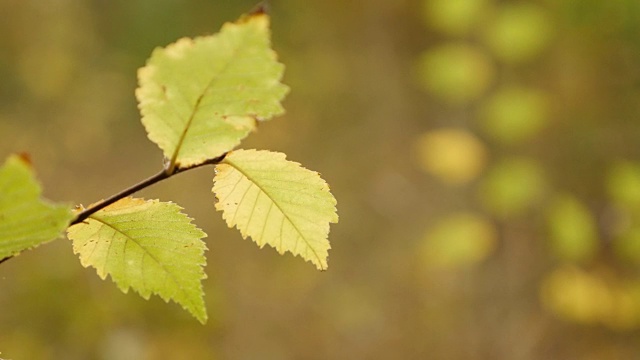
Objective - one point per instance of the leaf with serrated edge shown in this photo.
(200, 97)
(149, 246)
(276, 202)
(26, 220)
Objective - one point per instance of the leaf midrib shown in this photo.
(171, 275)
(253, 181)
(213, 79)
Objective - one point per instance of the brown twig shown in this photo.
(162, 175)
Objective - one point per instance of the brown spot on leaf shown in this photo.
(260, 9)
(26, 158)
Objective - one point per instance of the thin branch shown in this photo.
(126, 192)
(162, 175)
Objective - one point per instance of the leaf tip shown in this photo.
(320, 261)
(261, 9)
(25, 157)
(202, 318)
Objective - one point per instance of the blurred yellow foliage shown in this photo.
(459, 240)
(591, 298)
(576, 295)
(452, 155)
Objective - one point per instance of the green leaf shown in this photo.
(149, 246)
(276, 202)
(26, 220)
(200, 97)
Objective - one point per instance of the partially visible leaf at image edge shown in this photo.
(276, 202)
(200, 97)
(26, 220)
(149, 246)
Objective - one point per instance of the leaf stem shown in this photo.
(124, 193)
(162, 175)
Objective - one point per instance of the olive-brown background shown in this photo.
(358, 106)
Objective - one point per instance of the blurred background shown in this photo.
(484, 155)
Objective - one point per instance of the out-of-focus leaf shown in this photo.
(592, 298)
(627, 245)
(518, 32)
(200, 97)
(625, 313)
(576, 295)
(26, 220)
(623, 184)
(515, 114)
(453, 17)
(276, 202)
(458, 241)
(511, 186)
(572, 229)
(149, 246)
(457, 73)
(455, 156)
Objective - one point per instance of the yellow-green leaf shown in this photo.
(276, 202)
(623, 184)
(573, 232)
(514, 114)
(26, 220)
(576, 295)
(519, 31)
(200, 97)
(454, 17)
(459, 241)
(512, 186)
(149, 246)
(455, 156)
(457, 72)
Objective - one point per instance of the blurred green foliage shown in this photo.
(457, 73)
(362, 100)
(517, 32)
(514, 114)
(623, 184)
(573, 235)
(454, 17)
(511, 187)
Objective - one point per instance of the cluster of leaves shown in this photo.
(199, 98)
